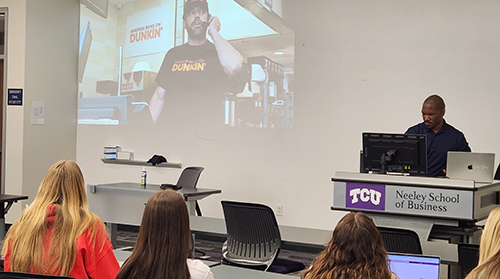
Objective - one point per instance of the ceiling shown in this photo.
(121, 2)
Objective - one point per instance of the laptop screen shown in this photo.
(407, 266)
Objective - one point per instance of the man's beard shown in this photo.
(198, 33)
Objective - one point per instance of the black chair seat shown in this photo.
(188, 179)
(400, 240)
(254, 239)
(468, 258)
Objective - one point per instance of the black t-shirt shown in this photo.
(195, 83)
(189, 70)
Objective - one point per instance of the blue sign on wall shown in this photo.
(15, 97)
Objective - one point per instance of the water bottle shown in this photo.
(143, 177)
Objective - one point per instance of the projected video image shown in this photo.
(200, 62)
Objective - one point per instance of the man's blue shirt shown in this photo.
(438, 145)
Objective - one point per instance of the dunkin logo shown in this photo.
(365, 196)
(189, 66)
(145, 33)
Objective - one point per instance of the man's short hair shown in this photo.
(437, 101)
(190, 4)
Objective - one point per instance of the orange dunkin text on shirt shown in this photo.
(189, 66)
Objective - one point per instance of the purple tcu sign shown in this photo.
(365, 196)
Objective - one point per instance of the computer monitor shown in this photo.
(395, 153)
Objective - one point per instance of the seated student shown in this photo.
(57, 234)
(163, 245)
(356, 251)
(489, 249)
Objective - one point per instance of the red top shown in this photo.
(91, 260)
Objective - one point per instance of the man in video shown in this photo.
(194, 76)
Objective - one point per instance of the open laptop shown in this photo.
(470, 165)
(409, 266)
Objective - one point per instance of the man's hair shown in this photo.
(437, 101)
(355, 251)
(489, 249)
(62, 189)
(163, 243)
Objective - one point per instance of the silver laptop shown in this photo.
(408, 266)
(470, 165)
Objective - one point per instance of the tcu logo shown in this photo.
(365, 195)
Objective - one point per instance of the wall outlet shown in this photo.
(279, 210)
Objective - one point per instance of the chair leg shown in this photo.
(198, 210)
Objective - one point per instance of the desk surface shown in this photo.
(188, 193)
(9, 199)
(132, 186)
(12, 198)
(231, 272)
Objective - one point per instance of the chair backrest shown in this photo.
(189, 177)
(22, 275)
(468, 258)
(253, 236)
(400, 240)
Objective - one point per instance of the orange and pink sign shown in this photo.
(149, 32)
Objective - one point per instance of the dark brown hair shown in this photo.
(356, 251)
(437, 101)
(163, 243)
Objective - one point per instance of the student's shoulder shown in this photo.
(198, 269)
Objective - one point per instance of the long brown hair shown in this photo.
(63, 188)
(163, 243)
(489, 249)
(356, 251)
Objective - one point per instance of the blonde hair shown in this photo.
(489, 249)
(62, 187)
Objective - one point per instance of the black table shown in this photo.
(7, 201)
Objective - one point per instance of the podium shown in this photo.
(441, 211)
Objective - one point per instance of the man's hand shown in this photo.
(213, 26)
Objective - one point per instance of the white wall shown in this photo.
(15, 51)
(42, 49)
(360, 65)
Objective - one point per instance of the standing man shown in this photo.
(194, 76)
(441, 136)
